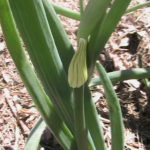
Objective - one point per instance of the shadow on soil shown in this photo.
(139, 120)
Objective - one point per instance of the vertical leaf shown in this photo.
(37, 36)
(117, 127)
(62, 42)
(35, 135)
(41, 100)
(79, 119)
(104, 29)
(92, 15)
(92, 121)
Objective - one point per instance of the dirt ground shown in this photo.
(129, 45)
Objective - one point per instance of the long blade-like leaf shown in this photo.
(138, 7)
(35, 135)
(62, 42)
(30, 80)
(117, 127)
(38, 39)
(66, 12)
(93, 122)
(116, 76)
(76, 15)
(104, 30)
(93, 13)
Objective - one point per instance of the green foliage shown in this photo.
(117, 130)
(59, 80)
(35, 135)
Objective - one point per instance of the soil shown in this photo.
(128, 45)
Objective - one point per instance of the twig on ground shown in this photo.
(10, 103)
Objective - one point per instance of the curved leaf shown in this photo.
(35, 135)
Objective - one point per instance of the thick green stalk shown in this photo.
(79, 119)
(93, 122)
(62, 42)
(30, 80)
(37, 36)
(117, 128)
(116, 76)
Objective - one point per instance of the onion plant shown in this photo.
(58, 78)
